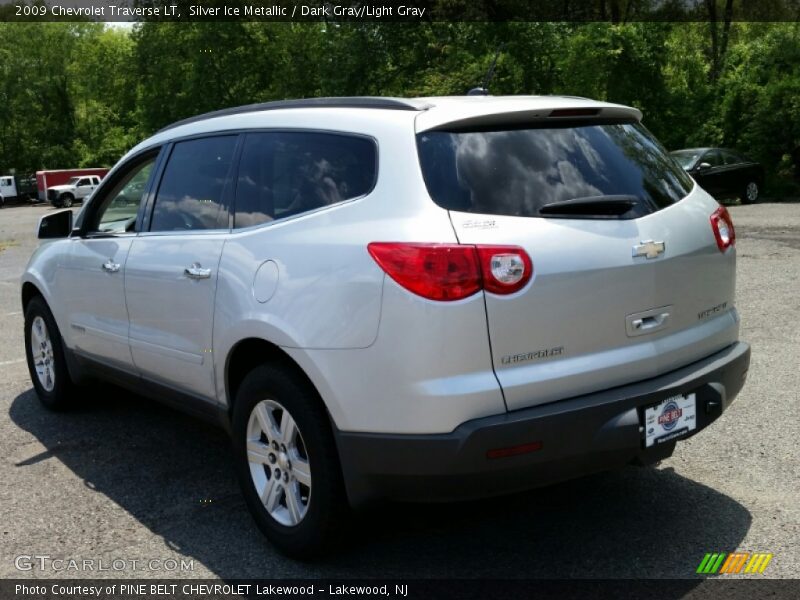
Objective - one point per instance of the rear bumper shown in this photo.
(581, 435)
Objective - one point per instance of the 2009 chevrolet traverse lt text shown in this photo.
(416, 299)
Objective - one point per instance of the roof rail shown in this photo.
(335, 102)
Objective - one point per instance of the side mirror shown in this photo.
(703, 166)
(55, 225)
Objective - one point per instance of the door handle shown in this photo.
(649, 321)
(196, 271)
(110, 266)
(652, 322)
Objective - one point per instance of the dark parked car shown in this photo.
(723, 173)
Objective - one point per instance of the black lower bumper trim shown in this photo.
(580, 435)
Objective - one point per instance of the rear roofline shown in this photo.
(490, 111)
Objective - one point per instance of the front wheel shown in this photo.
(751, 193)
(67, 200)
(287, 462)
(45, 354)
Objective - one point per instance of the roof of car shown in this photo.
(440, 110)
(423, 114)
(333, 102)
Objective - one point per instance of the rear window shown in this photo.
(517, 171)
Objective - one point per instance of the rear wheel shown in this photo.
(45, 355)
(287, 462)
(67, 200)
(750, 193)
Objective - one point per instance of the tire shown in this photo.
(67, 200)
(45, 355)
(304, 528)
(750, 193)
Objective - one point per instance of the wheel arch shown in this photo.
(29, 291)
(251, 352)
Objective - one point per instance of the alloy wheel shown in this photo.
(278, 462)
(752, 191)
(42, 353)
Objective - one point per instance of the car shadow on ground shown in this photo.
(173, 474)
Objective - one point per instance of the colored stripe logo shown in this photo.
(721, 563)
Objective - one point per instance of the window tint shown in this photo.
(515, 172)
(117, 213)
(729, 158)
(191, 194)
(286, 173)
(713, 158)
(83, 182)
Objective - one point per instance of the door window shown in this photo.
(192, 190)
(713, 158)
(287, 173)
(118, 210)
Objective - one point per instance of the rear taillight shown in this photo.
(448, 272)
(506, 269)
(722, 226)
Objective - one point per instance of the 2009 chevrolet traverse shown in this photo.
(418, 299)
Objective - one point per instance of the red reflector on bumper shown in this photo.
(514, 450)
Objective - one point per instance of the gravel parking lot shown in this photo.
(123, 478)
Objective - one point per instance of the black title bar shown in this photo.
(415, 11)
(375, 589)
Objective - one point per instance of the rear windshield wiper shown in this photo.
(592, 206)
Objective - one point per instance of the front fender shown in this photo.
(41, 272)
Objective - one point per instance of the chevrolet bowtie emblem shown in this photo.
(649, 249)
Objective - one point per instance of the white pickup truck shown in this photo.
(76, 189)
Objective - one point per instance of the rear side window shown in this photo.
(192, 190)
(287, 173)
(517, 171)
(730, 158)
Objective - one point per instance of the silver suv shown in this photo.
(416, 299)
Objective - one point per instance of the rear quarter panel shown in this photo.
(307, 283)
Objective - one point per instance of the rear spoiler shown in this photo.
(478, 117)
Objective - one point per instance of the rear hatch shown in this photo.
(628, 278)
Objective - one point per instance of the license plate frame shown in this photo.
(669, 419)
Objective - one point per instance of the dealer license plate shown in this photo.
(671, 418)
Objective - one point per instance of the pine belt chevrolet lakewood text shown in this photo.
(416, 299)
